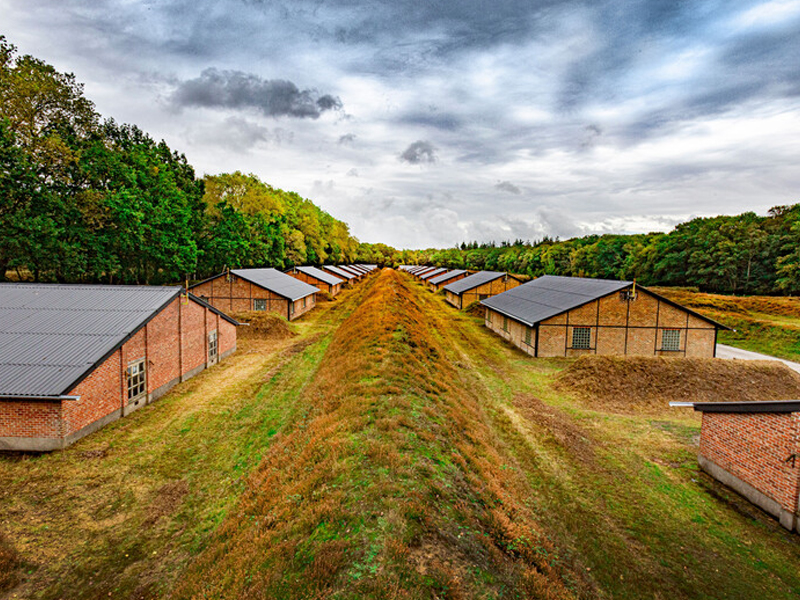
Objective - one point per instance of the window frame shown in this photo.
(527, 338)
(259, 302)
(673, 331)
(588, 342)
(136, 383)
(213, 342)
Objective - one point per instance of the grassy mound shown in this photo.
(390, 483)
(263, 326)
(476, 309)
(628, 383)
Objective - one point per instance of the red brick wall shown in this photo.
(754, 448)
(30, 419)
(100, 396)
(194, 335)
(163, 356)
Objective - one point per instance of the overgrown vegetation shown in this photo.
(766, 324)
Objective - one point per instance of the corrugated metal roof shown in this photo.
(51, 335)
(277, 282)
(548, 296)
(346, 275)
(349, 269)
(473, 281)
(446, 276)
(432, 273)
(321, 275)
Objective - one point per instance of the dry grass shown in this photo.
(391, 486)
(631, 384)
(262, 325)
(9, 564)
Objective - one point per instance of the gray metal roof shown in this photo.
(349, 269)
(277, 282)
(432, 273)
(51, 335)
(321, 275)
(548, 296)
(764, 406)
(473, 281)
(424, 271)
(340, 272)
(446, 276)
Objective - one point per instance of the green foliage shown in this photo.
(744, 254)
(86, 200)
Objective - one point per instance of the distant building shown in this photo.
(754, 448)
(436, 282)
(318, 278)
(258, 289)
(479, 286)
(343, 274)
(573, 316)
(428, 274)
(76, 357)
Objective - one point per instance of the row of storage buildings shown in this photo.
(76, 357)
(752, 447)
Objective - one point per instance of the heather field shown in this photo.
(388, 446)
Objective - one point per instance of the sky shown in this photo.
(425, 124)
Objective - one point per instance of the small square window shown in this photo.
(582, 337)
(259, 305)
(137, 380)
(671, 340)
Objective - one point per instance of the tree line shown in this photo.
(84, 199)
(743, 254)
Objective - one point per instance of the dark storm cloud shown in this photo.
(507, 186)
(419, 152)
(239, 90)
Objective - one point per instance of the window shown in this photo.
(291, 308)
(671, 340)
(259, 305)
(304, 301)
(528, 336)
(213, 346)
(137, 382)
(581, 337)
(488, 316)
(483, 296)
(505, 324)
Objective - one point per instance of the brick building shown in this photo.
(342, 274)
(479, 286)
(241, 290)
(432, 273)
(573, 316)
(318, 278)
(75, 357)
(436, 282)
(754, 448)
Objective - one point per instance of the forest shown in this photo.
(743, 254)
(83, 199)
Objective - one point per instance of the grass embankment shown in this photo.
(766, 324)
(619, 488)
(119, 513)
(389, 484)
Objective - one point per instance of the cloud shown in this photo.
(507, 186)
(240, 90)
(347, 138)
(419, 152)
